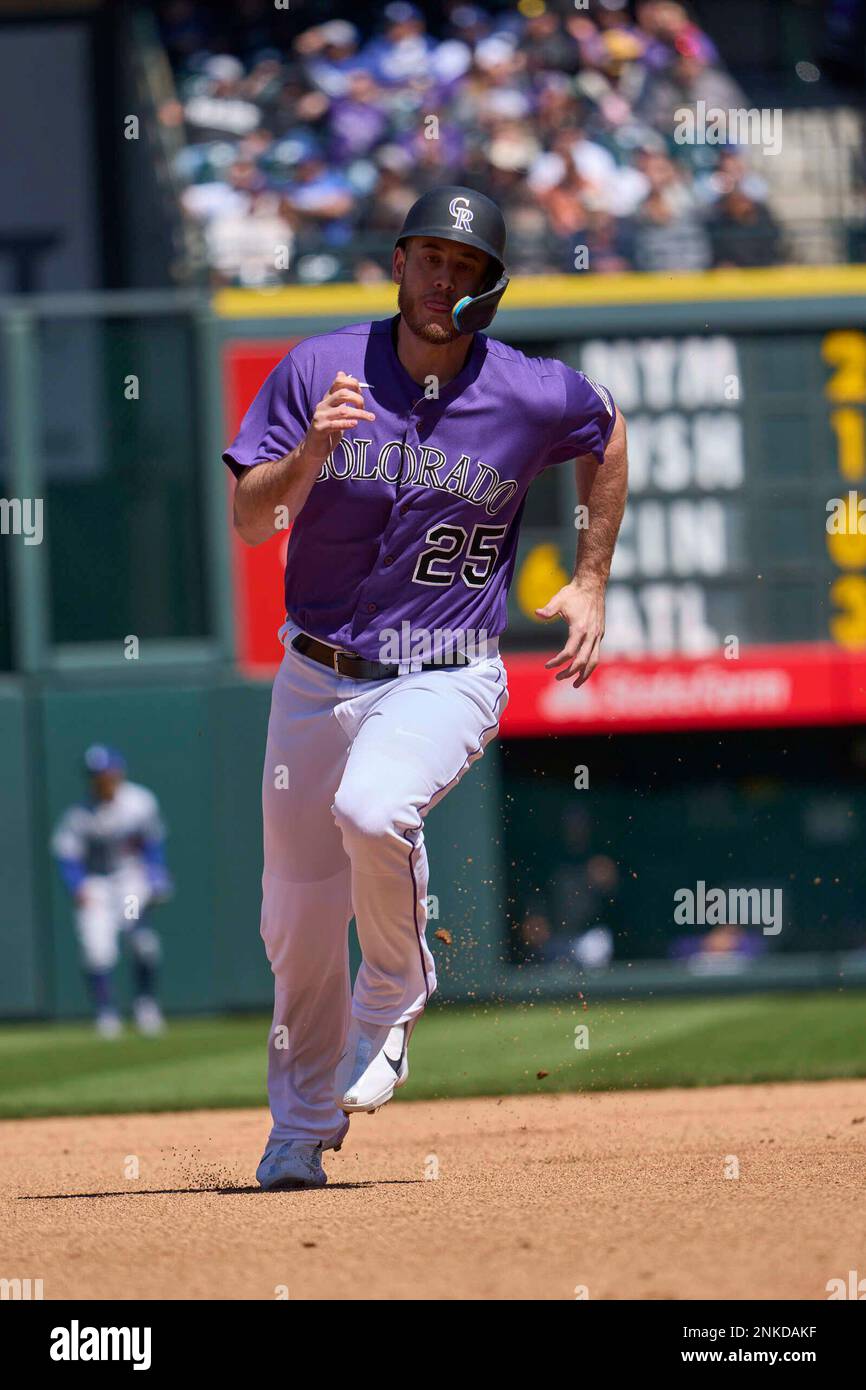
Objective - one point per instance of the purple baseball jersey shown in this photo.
(414, 517)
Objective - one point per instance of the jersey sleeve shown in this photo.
(67, 841)
(151, 843)
(153, 830)
(68, 845)
(275, 423)
(587, 419)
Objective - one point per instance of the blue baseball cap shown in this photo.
(100, 758)
(400, 12)
(469, 17)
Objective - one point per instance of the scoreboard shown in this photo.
(738, 587)
(736, 447)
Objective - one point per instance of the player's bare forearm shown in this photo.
(262, 491)
(602, 490)
(273, 493)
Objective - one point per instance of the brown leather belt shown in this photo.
(358, 667)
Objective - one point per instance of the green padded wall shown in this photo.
(199, 746)
(23, 946)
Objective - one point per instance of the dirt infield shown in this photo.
(623, 1193)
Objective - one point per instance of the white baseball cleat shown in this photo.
(148, 1017)
(109, 1023)
(374, 1063)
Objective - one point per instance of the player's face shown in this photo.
(105, 784)
(433, 275)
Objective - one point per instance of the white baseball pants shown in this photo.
(351, 769)
(113, 904)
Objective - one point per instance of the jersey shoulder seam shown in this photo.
(355, 330)
(544, 370)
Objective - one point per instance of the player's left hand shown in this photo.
(161, 888)
(581, 604)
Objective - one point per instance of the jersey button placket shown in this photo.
(388, 536)
(387, 560)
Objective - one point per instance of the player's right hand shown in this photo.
(340, 409)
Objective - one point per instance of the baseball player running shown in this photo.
(110, 850)
(401, 451)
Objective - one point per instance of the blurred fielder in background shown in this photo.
(110, 849)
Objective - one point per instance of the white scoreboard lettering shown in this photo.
(681, 398)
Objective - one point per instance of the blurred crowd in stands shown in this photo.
(299, 162)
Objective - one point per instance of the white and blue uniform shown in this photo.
(111, 855)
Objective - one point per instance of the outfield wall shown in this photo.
(200, 744)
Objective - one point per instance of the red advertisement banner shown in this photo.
(258, 570)
(809, 683)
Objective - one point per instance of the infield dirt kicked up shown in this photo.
(623, 1195)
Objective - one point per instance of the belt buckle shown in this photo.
(336, 661)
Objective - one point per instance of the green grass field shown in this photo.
(485, 1050)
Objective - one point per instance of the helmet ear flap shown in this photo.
(474, 314)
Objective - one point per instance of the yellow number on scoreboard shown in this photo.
(848, 628)
(846, 532)
(848, 426)
(846, 351)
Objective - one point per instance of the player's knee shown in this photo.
(99, 959)
(364, 817)
(145, 946)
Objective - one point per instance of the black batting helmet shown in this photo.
(462, 214)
